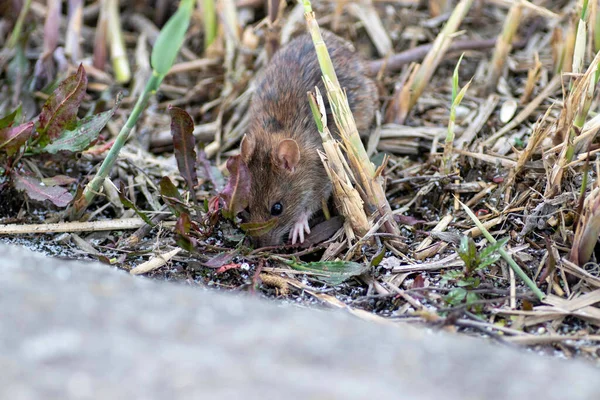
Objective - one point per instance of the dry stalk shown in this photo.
(503, 46)
(569, 46)
(540, 132)
(558, 49)
(595, 17)
(367, 178)
(346, 197)
(566, 124)
(367, 14)
(415, 86)
(587, 231)
(533, 75)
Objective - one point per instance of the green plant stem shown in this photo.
(117, 44)
(504, 254)
(94, 186)
(16, 33)
(210, 22)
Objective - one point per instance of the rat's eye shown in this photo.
(277, 209)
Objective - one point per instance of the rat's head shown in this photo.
(281, 186)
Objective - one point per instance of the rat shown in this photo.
(288, 179)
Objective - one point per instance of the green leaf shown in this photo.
(451, 276)
(467, 251)
(378, 257)
(456, 296)
(472, 298)
(493, 247)
(171, 37)
(129, 204)
(455, 78)
(171, 196)
(314, 108)
(259, 228)
(182, 228)
(85, 134)
(331, 272)
(487, 261)
(10, 119)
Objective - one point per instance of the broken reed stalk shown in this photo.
(503, 46)
(573, 104)
(230, 32)
(587, 231)
(558, 49)
(540, 131)
(164, 52)
(413, 89)
(73, 36)
(578, 60)
(456, 99)
(596, 19)
(533, 75)
(509, 260)
(569, 46)
(18, 29)
(368, 179)
(345, 196)
(209, 15)
(118, 53)
(580, 40)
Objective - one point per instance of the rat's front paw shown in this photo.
(299, 228)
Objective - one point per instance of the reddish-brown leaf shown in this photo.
(227, 267)
(13, 138)
(236, 192)
(60, 110)
(36, 190)
(184, 143)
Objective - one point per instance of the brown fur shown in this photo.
(279, 111)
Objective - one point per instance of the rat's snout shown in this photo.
(273, 238)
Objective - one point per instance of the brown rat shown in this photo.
(288, 180)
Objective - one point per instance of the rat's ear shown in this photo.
(288, 154)
(247, 148)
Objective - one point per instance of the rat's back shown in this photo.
(280, 102)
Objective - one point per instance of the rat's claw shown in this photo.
(297, 231)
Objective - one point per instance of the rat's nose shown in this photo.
(269, 239)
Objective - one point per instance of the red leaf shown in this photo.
(36, 190)
(227, 268)
(184, 143)
(236, 192)
(60, 110)
(13, 138)
(408, 220)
